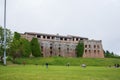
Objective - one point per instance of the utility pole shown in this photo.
(4, 32)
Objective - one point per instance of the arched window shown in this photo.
(94, 46)
(85, 46)
(94, 51)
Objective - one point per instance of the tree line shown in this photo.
(109, 54)
(17, 46)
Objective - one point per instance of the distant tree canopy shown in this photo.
(35, 47)
(80, 49)
(8, 40)
(109, 54)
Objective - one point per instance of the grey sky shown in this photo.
(95, 19)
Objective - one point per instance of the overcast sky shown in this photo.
(94, 19)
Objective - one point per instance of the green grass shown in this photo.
(73, 61)
(33, 72)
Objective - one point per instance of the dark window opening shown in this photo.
(65, 39)
(85, 51)
(61, 38)
(67, 50)
(85, 46)
(51, 48)
(76, 39)
(94, 46)
(98, 51)
(59, 49)
(52, 37)
(94, 51)
(48, 37)
(73, 39)
(81, 39)
(42, 48)
(44, 37)
(38, 36)
(51, 52)
(98, 46)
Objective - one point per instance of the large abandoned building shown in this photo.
(57, 45)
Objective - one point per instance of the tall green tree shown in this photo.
(17, 36)
(80, 49)
(25, 47)
(15, 47)
(35, 47)
(20, 47)
(8, 39)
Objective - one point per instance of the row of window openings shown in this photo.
(95, 51)
(48, 37)
(58, 45)
(89, 46)
(52, 48)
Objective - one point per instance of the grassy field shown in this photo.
(39, 72)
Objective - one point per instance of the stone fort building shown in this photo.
(57, 45)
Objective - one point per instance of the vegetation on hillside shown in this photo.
(80, 49)
(109, 54)
(35, 47)
(20, 47)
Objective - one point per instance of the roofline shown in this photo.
(57, 35)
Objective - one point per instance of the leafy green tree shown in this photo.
(35, 47)
(17, 36)
(25, 47)
(15, 49)
(20, 47)
(80, 49)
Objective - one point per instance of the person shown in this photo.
(46, 65)
(68, 64)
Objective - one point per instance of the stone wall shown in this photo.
(93, 49)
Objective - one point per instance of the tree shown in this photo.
(15, 49)
(80, 49)
(35, 47)
(20, 47)
(8, 40)
(25, 47)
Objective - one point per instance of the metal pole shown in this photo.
(5, 32)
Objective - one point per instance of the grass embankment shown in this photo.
(33, 72)
(72, 61)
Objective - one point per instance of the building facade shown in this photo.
(57, 45)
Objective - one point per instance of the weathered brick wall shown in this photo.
(52, 45)
(93, 49)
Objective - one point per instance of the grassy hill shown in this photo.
(72, 61)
